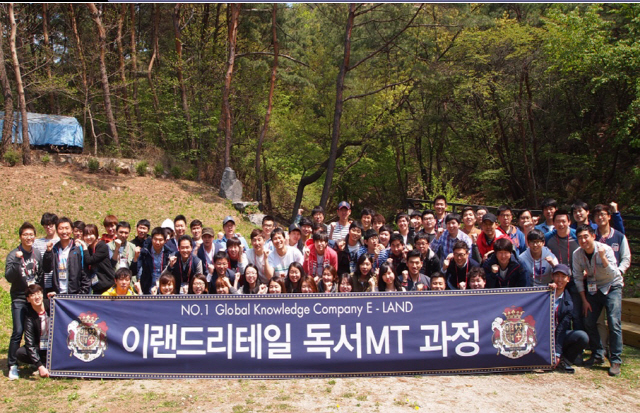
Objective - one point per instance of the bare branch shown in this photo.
(271, 54)
(365, 11)
(377, 90)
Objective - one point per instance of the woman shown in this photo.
(275, 285)
(387, 280)
(308, 285)
(345, 284)
(294, 275)
(199, 284)
(250, 281)
(97, 261)
(167, 286)
(223, 286)
(328, 283)
(364, 280)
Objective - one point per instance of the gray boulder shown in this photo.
(256, 219)
(230, 186)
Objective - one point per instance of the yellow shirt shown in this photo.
(113, 293)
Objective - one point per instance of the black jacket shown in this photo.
(101, 265)
(564, 316)
(32, 333)
(78, 280)
(145, 267)
(456, 275)
(516, 275)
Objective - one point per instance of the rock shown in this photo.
(64, 183)
(256, 219)
(230, 186)
(242, 205)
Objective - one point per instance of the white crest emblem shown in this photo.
(513, 336)
(87, 338)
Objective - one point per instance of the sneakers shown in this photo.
(565, 367)
(13, 372)
(614, 370)
(594, 361)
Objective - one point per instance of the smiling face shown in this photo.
(413, 265)
(274, 287)
(524, 219)
(343, 214)
(586, 241)
(429, 223)
(158, 242)
(257, 242)
(307, 230)
(366, 221)
(548, 212)
(321, 246)
(397, 247)
(229, 229)
(267, 227)
(221, 266)
(318, 217)
(123, 234)
(196, 231)
(327, 277)
(111, 230)
(279, 243)
(560, 280)
(536, 247)
(505, 219)
(580, 215)
(388, 277)
(503, 258)
(35, 299)
(234, 252)
(345, 286)
(460, 257)
(90, 238)
(602, 219)
(294, 275)
(469, 218)
(294, 237)
(452, 227)
(438, 284)
(64, 230)
(77, 233)
(167, 288)
(440, 206)
(476, 283)
(354, 235)
(403, 225)
(142, 231)
(198, 286)
(384, 237)
(185, 249)
(561, 222)
(180, 227)
(489, 229)
(306, 287)
(365, 268)
(251, 275)
(27, 238)
(422, 245)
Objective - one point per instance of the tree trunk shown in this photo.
(134, 70)
(337, 115)
(154, 55)
(234, 11)
(26, 150)
(53, 104)
(121, 69)
(102, 38)
(7, 127)
(267, 186)
(85, 82)
(267, 116)
(183, 89)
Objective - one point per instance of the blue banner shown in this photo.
(302, 335)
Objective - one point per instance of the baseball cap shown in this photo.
(489, 216)
(344, 204)
(562, 268)
(227, 219)
(294, 227)
(208, 231)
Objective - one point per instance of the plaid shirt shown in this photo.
(443, 246)
(382, 257)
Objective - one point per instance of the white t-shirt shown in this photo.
(281, 264)
(258, 261)
(339, 231)
(63, 269)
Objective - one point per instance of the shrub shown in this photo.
(93, 165)
(191, 174)
(45, 159)
(176, 172)
(158, 170)
(11, 157)
(141, 168)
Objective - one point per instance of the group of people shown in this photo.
(583, 261)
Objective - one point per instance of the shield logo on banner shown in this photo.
(513, 336)
(87, 338)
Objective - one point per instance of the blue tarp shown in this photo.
(47, 130)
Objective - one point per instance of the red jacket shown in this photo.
(483, 246)
(311, 262)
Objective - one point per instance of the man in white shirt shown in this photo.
(282, 256)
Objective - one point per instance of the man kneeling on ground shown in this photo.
(36, 331)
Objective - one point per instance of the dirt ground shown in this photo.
(28, 192)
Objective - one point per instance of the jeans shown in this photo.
(612, 302)
(19, 308)
(577, 308)
(574, 343)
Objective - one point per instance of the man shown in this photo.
(66, 260)
(306, 228)
(416, 221)
(456, 272)
(481, 211)
(153, 261)
(184, 266)
(36, 333)
(196, 233)
(78, 229)
(317, 214)
(282, 255)
(604, 290)
(167, 226)
(438, 282)
(580, 212)
(538, 260)
(259, 256)
(339, 230)
(229, 227)
(49, 222)
(320, 255)
(430, 261)
(477, 279)
(376, 252)
(404, 228)
(207, 250)
(505, 216)
(549, 208)
(612, 237)
(295, 237)
(378, 222)
(569, 343)
(142, 233)
(124, 254)
(429, 224)
(443, 246)
(23, 268)
(268, 224)
(440, 207)
(398, 256)
(122, 285)
(222, 271)
(110, 223)
(412, 279)
(502, 268)
(366, 218)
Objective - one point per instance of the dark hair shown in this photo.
(345, 276)
(144, 223)
(600, 208)
(467, 208)
(428, 212)
(168, 232)
(561, 212)
(180, 218)
(123, 224)
(378, 218)
(317, 210)
(91, 229)
(396, 237)
(183, 238)
(246, 289)
(195, 223)
(220, 255)
(438, 274)
(503, 244)
(413, 253)
(64, 220)
(309, 280)
(361, 259)
(439, 197)
(305, 221)
(368, 211)
(402, 215)
(419, 236)
(166, 279)
(370, 233)
(287, 282)
(415, 213)
(255, 233)
(33, 289)
(48, 219)
(200, 277)
(78, 225)
(503, 208)
(460, 245)
(585, 227)
(278, 280)
(483, 208)
(268, 218)
(579, 204)
(549, 202)
(109, 220)
(25, 226)
(535, 235)
(158, 230)
(385, 268)
(523, 211)
(453, 217)
(123, 273)
(277, 230)
(315, 226)
(332, 270)
(476, 272)
(320, 236)
(387, 228)
(354, 224)
(233, 242)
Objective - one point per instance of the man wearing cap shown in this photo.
(569, 343)
(490, 233)
(172, 246)
(339, 230)
(295, 237)
(207, 250)
(229, 227)
(604, 290)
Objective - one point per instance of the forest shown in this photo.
(312, 104)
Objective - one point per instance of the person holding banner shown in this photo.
(122, 285)
(36, 331)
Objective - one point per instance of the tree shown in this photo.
(26, 150)
(7, 126)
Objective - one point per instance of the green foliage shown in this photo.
(93, 165)
(158, 170)
(11, 157)
(191, 174)
(176, 172)
(141, 168)
(45, 159)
